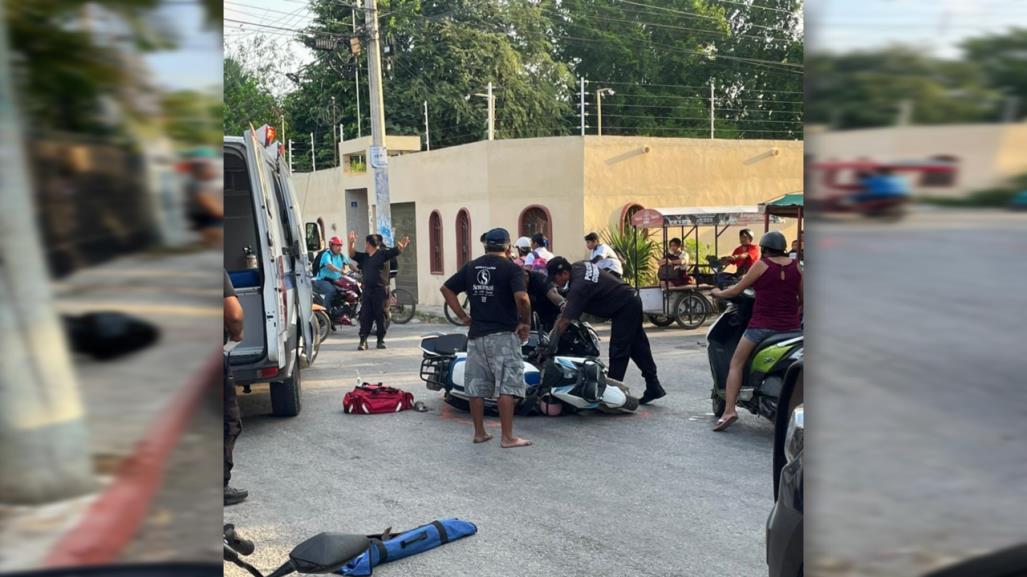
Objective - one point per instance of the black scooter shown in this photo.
(322, 553)
(771, 365)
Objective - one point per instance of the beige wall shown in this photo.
(321, 195)
(988, 153)
(678, 172)
(583, 182)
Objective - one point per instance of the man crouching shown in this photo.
(500, 322)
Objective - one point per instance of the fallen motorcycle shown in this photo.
(573, 379)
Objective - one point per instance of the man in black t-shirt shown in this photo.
(374, 265)
(597, 292)
(545, 299)
(500, 321)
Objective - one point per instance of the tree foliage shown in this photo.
(659, 58)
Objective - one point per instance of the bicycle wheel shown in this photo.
(691, 311)
(402, 305)
(452, 317)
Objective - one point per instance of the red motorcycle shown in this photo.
(345, 306)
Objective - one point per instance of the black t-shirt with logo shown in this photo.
(375, 267)
(490, 283)
(596, 292)
(539, 286)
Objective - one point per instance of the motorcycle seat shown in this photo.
(778, 338)
(445, 344)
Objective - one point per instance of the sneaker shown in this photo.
(363, 345)
(381, 345)
(652, 392)
(235, 496)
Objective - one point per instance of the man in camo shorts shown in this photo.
(499, 321)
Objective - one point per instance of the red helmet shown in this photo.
(335, 240)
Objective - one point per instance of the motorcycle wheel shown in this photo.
(719, 405)
(661, 320)
(324, 325)
(457, 402)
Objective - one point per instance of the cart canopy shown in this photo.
(788, 205)
(709, 215)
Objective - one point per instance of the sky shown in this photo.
(937, 26)
(197, 62)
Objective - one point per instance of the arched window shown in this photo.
(625, 216)
(435, 242)
(463, 237)
(536, 219)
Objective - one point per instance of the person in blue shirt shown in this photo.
(333, 265)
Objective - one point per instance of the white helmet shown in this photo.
(523, 242)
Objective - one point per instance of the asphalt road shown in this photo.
(651, 494)
(915, 391)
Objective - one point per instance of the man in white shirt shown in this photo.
(603, 256)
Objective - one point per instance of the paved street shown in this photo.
(654, 493)
(915, 391)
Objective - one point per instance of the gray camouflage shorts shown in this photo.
(494, 360)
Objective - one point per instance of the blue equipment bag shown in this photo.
(385, 548)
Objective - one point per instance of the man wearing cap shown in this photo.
(597, 292)
(499, 322)
(333, 265)
(523, 246)
(374, 266)
(603, 256)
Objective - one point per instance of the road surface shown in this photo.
(651, 494)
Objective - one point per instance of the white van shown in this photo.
(266, 258)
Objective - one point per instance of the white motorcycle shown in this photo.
(574, 379)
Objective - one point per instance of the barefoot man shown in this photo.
(499, 321)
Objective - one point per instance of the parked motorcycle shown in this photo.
(766, 371)
(573, 379)
(345, 306)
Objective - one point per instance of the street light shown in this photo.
(599, 106)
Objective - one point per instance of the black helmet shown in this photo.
(557, 265)
(774, 240)
(497, 240)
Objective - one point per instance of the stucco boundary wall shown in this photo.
(581, 184)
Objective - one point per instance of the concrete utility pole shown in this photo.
(335, 143)
(492, 114)
(599, 108)
(1012, 109)
(44, 443)
(290, 155)
(712, 105)
(353, 14)
(313, 159)
(427, 133)
(379, 153)
(581, 99)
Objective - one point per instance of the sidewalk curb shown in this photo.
(116, 515)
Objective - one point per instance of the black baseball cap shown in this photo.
(497, 237)
(557, 265)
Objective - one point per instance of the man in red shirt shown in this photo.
(744, 256)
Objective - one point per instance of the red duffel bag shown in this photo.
(368, 399)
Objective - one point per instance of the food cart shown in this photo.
(689, 305)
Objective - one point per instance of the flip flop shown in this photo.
(723, 424)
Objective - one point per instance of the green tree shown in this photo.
(1002, 59)
(193, 117)
(246, 100)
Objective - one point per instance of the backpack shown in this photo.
(316, 266)
(368, 399)
(539, 264)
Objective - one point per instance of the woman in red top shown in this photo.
(777, 280)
